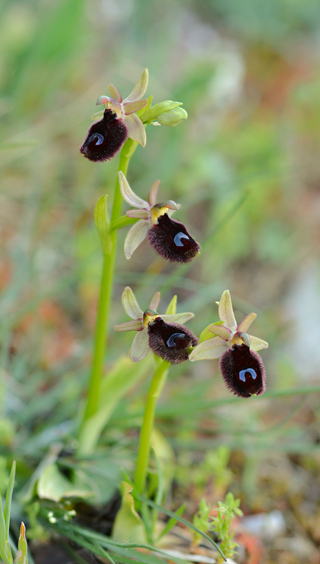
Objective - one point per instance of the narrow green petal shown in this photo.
(134, 325)
(136, 129)
(155, 300)
(128, 194)
(135, 236)
(246, 322)
(140, 346)
(213, 348)
(140, 88)
(258, 344)
(226, 311)
(130, 304)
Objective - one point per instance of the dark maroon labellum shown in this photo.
(170, 341)
(104, 138)
(172, 241)
(243, 371)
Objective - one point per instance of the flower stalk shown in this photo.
(156, 386)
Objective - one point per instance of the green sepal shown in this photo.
(205, 335)
(172, 307)
(102, 221)
(153, 113)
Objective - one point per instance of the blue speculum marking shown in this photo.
(171, 342)
(98, 138)
(178, 237)
(242, 374)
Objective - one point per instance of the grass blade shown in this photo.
(180, 519)
(172, 521)
(7, 507)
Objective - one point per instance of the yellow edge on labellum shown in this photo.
(149, 316)
(156, 212)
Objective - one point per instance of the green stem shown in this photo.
(101, 332)
(123, 221)
(154, 392)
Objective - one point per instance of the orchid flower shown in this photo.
(159, 333)
(168, 237)
(240, 365)
(106, 137)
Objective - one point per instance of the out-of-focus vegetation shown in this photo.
(245, 168)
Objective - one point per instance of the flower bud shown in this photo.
(154, 113)
(243, 371)
(172, 117)
(172, 241)
(104, 138)
(170, 341)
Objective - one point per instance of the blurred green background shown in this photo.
(245, 167)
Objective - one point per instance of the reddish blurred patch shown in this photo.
(56, 333)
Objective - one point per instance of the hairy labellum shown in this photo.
(104, 138)
(243, 371)
(172, 241)
(170, 341)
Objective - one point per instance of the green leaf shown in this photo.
(7, 507)
(123, 376)
(128, 526)
(102, 221)
(165, 461)
(53, 485)
(95, 541)
(5, 551)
